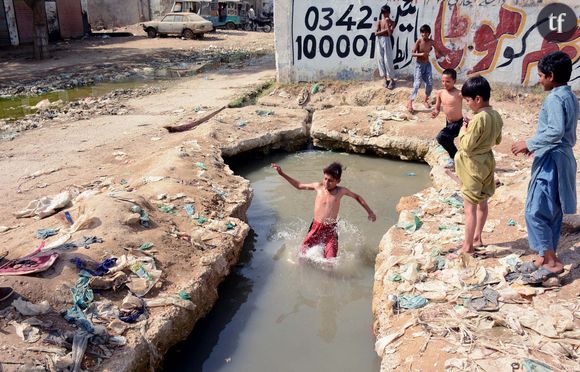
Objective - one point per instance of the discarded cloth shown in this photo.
(46, 233)
(28, 265)
(99, 270)
(131, 309)
(409, 221)
(82, 296)
(411, 302)
(85, 242)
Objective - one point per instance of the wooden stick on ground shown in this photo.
(194, 123)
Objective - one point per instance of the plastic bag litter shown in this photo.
(543, 324)
(151, 179)
(145, 270)
(382, 343)
(26, 332)
(45, 206)
(412, 302)
(395, 116)
(264, 112)
(170, 300)
(410, 273)
(495, 365)
(510, 261)
(30, 309)
(409, 221)
(454, 200)
(452, 365)
(530, 365)
(79, 346)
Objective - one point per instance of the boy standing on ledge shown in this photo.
(552, 188)
(326, 207)
(474, 162)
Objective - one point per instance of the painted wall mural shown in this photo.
(498, 39)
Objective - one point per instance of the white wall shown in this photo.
(474, 39)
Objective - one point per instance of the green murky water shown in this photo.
(14, 108)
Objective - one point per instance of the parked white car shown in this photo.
(187, 25)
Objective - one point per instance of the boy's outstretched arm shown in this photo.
(292, 181)
(372, 217)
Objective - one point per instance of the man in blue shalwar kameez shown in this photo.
(552, 188)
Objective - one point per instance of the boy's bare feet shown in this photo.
(460, 251)
(410, 107)
(427, 104)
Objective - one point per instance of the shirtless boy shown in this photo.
(423, 72)
(326, 206)
(384, 34)
(450, 98)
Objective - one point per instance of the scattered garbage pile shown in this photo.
(470, 312)
(124, 263)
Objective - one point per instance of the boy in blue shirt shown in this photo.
(552, 188)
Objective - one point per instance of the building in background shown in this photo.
(64, 20)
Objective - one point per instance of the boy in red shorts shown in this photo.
(326, 206)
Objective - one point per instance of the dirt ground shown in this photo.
(126, 153)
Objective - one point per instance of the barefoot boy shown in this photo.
(450, 98)
(421, 50)
(326, 206)
(474, 161)
(384, 33)
(552, 188)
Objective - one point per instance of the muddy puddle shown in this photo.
(278, 312)
(17, 107)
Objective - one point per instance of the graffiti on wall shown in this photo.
(494, 38)
(487, 42)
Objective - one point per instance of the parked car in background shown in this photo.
(188, 25)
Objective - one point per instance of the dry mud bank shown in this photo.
(176, 193)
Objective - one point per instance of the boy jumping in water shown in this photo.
(450, 98)
(326, 206)
(552, 188)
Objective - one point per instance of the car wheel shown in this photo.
(151, 32)
(267, 28)
(230, 26)
(188, 34)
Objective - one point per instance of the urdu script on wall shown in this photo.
(335, 39)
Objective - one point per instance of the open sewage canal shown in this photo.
(278, 313)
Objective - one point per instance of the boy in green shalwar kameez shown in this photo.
(474, 161)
